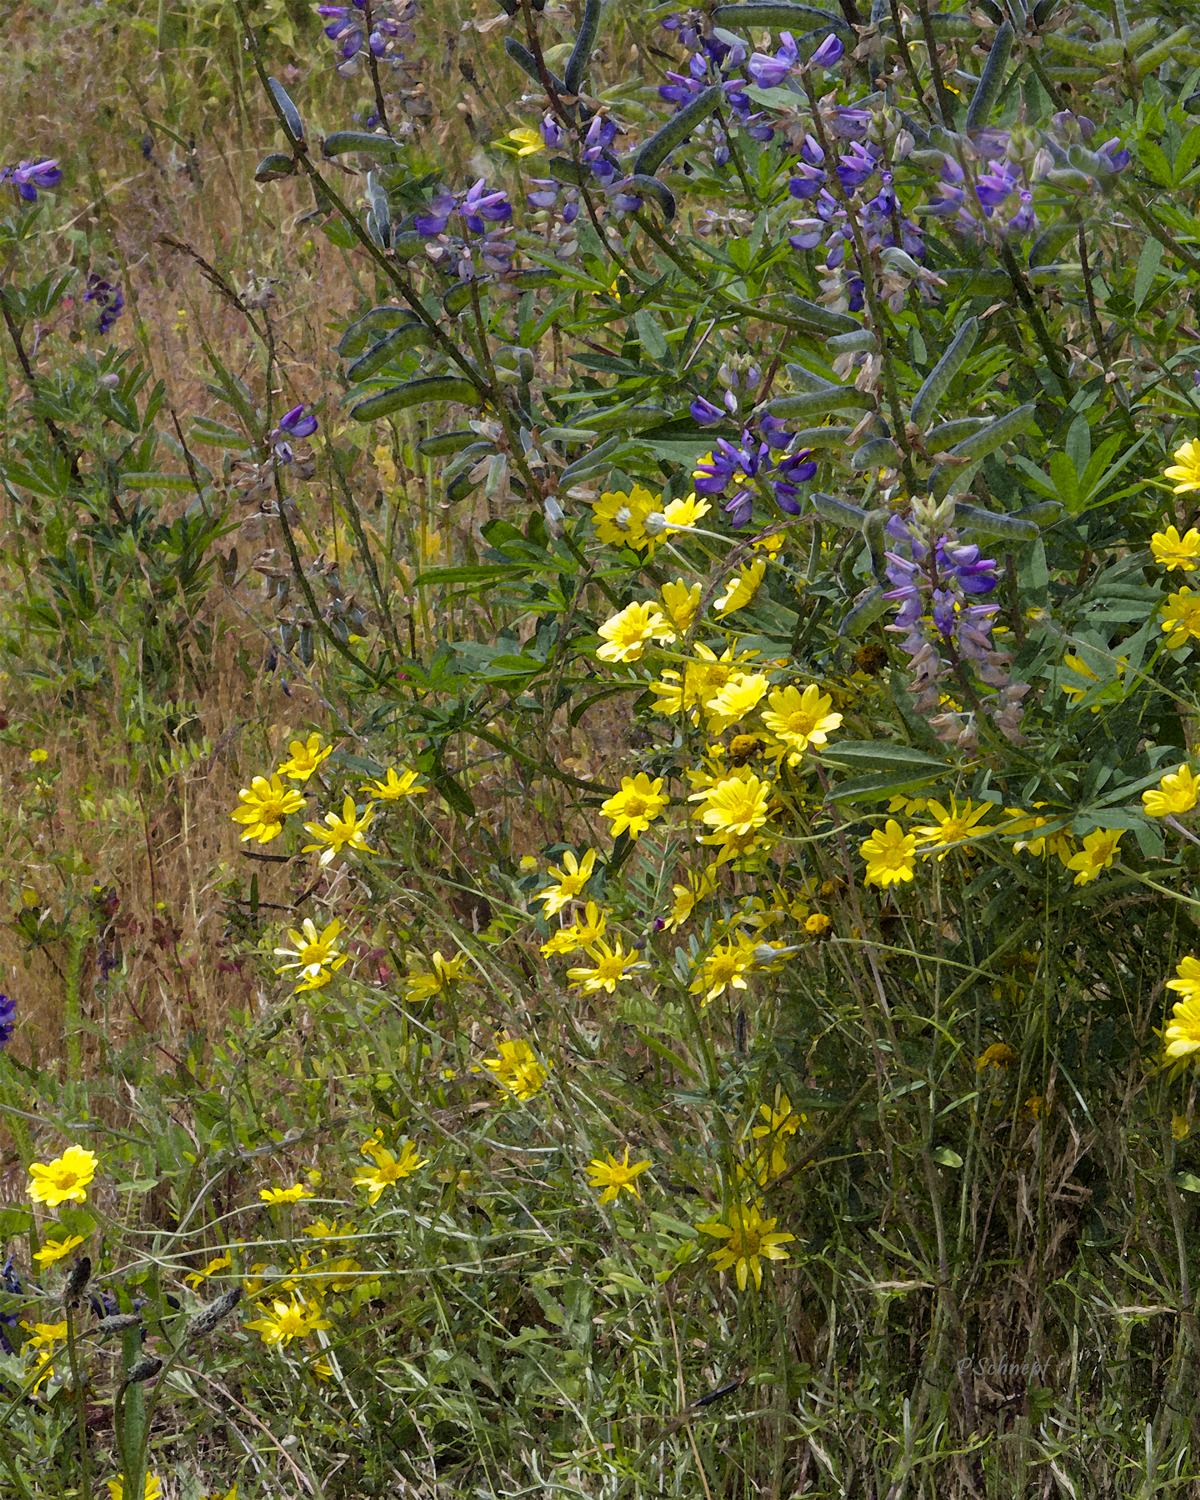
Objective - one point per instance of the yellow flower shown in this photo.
(63, 1180)
(687, 896)
(737, 805)
(389, 1170)
(526, 139)
(344, 832)
(1180, 1128)
(998, 1055)
(741, 588)
(739, 697)
(626, 633)
(529, 863)
(781, 1123)
(582, 933)
(800, 719)
(680, 603)
(394, 787)
(1172, 551)
(323, 1230)
(614, 1175)
(44, 1335)
(1181, 616)
(889, 855)
(1177, 792)
(517, 1068)
(682, 515)
(151, 1490)
(38, 756)
(749, 1239)
(306, 757)
(1186, 469)
(909, 806)
(700, 680)
(291, 1320)
(639, 802)
(1099, 850)
(221, 1263)
(1025, 823)
(722, 969)
(1187, 980)
(818, 924)
(571, 882)
(1181, 1039)
(612, 965)
(284, 1195)
(312, 952)
(1080, 669)
(55, 1250)
(445, 971)
(621, 519)
(265, 804)
(952, 827)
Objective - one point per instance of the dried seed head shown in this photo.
(206, 1321)
(118, 1323)
(144, 1370)
(77, 1280)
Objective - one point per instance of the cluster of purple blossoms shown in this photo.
(298, 423)
(771, 72)
(108, 301)
(936, 578)
(990, 194)
(10, 1282)
(481, 214)
(712, 62)
(347, 29)
(739, 469)
(29, 176)
(8, 1019)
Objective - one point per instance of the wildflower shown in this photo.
(722, 969)
(1026, 823)
(517, 1068)
(800, 719)
(1181, 616)
(1177, 792)
(626, 633)
(528, 864)
(300, 422)
(687, 897)
(344, 832)
(582, 933)
(735, 805)
(889, 855)
(63, 1180)
(621, 519)
(526, 141)
(741, 588)
(265, 804)
(571, 881)
(221, 1263)
(952, 827)
(998, 1055)
(701, 680)
(739, 697)
(639, 802)
(1180, 1129)
(29, 176)
(108, 301)
(8, 1019)
(682, 515)
(152, 1489)
(44, 1335)
(389, 1170)
(56, 1250)
(1080, 668)
(394, 787)
(749, 1238)
(311, 951)
(1035, 1105)
(278, 1195)
(1172, 551)
(39, 756)
(781, 1123)
(614, 1175)
(290, 1320)
(1099, 850)
(680, 603)
(612, 965)
(323, 1230)
(443, 973)
(1187, 980)
(306, 757)
(1186, 469)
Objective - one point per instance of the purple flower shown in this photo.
(299, 422)
(704, 413)
(828, 53)
(8, 1019)
(108, 299)
(770, 72)
(739, 467)
(32, 175)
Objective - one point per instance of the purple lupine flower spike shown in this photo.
(299, 422)
(8, 1019)
(29, 176)
(108, 299)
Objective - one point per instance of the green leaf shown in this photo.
(885, 784)
(946, 1158)
(1147, 269)
(654, 340)
(882, 755)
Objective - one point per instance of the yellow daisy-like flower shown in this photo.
(346, 832)
(611, 966)
(682, 515)
(680, 603)
(517, 1068)
(65, 1179)
(56, 1250)
(1181, 617)
(570, 881)
(723, 969)
(312, 951)
(800, 719)
(741, 588)
(740, 696)
(1024, 823)
(582, 933)
(443, 973)
(616, 1176)
(221, 1263)
(749, 1239)
(952, 827)
(818, 924)
(151, 1490)
(265, 804)
(389, 1170)
(39, 756)
(781, 1123)
(393, 788)
(1186, 469)
(1099, 850)
(998, 1055)
(1181, 1039)
(736, 805)
(1173, 551)
(1088, 678)
(526, 139)
(621, 519)
(1187, 979)
(306, 755)
(1180, 1129)
(688, 895)
(626, 633)
(699, 681)
(889, 854)
(1177, 792)
(290, 1320)
(639, 802)
(277, 1195)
